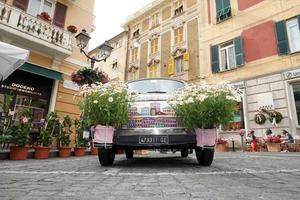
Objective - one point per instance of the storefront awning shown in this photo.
(42, 71)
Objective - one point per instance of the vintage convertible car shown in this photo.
(152, 124)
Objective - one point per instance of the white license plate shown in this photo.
(153, 140)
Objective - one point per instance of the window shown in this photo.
(152, 71)
(118, 44)
(237, 121)
(134, 52)
(136, 31)
(178, 33)
(38, 6)
(132, 75)
(154, 20)
(223, 10)
(154, 45)
(296, 91)
(293, 33)
(179, 65)
(178, 7)
(227, 55)
(115, 65)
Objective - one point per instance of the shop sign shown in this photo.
(70, 85)
(292, 74)
(21, 88)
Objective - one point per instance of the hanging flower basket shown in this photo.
(89, 76)
(72, 29)
(44, 16)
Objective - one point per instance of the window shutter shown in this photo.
(215, 59)
(60, 15)
(170, 66)
(281, 36)
(298, 21)
(186, 56)
(219, 5)
(22, 4)
(239, 53)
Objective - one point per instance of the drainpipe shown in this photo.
(127, 55)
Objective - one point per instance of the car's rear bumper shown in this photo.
(177, 137)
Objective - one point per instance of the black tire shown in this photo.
(129, 154)
(184, 153)
(106, 156)
(205, 157)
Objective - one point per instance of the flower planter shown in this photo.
(79, 151)
(94, 151)
(206, 137)
(273, 147)
(41, 152)
(103, 135)
(18, 153)
(64, 152)
(221, 147)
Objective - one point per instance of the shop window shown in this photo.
(134, 52)
(154, 45)
(227, 56)
(178, 7)
(178, 35)
(223, 10)
(296, 91)
(293, 33)
(152, 70)
(237, 121)
(179, 65)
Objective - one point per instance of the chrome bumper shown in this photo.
(152, 131)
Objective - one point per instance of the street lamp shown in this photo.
(83, 39)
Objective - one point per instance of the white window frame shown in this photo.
(226, 47)
(154, 20)
(182, 67)
(288, 22)
(177, 5)
(51, 14)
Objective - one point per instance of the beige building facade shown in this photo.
(163, 40)
(46, 28)
(115, 64)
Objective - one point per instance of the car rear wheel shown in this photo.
(129, 154)
(184, 153)
(106, 156)
(205, 157)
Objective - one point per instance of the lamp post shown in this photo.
(83, 39)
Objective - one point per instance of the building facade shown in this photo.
(164, 40)
(46, 28)
(115, 64)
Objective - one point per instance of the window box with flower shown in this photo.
(273, 144)
(44, 16)
(221, 145)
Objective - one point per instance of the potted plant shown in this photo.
(6, 120)
(81, 143)
(89, 76)
(273, 144)
(45, 139)
(44, 16)
(105, 107)
(64, 137)
(20, 133)
(221, 145)
(72, 29)
(203, 108)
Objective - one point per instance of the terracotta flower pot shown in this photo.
(94, 151)
(79, 151)
(221, 147)
(273, 147)
(18, 153)
(64, 152)
(41, 152)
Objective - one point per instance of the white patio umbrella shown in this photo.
(11, 58)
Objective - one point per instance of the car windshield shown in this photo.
(155, 86)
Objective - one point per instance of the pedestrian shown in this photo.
(287, 137)
(269, 133)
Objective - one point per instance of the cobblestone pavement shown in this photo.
(271, 176)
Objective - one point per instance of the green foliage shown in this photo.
(80, 141)
(45, 137)
(20, 134)
(204, 106)
(65, 132)
(106, 105)
(5, 104)
(53, 124)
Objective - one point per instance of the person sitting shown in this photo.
(253, 141)
(269, 133)
(286, 140)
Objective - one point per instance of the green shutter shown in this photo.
(298, 21)
(215, 59)
(226, 4)
(282, 40)
(239, 53)
(219, 5)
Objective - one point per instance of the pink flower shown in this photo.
(25, 120)
(11, 112)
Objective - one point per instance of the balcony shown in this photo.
(34, 33)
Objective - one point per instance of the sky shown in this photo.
(109, 17)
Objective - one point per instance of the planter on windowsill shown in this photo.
(221, 147)
(273, 147)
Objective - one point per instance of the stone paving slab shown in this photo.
(262, 176)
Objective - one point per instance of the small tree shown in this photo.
(65, 131)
